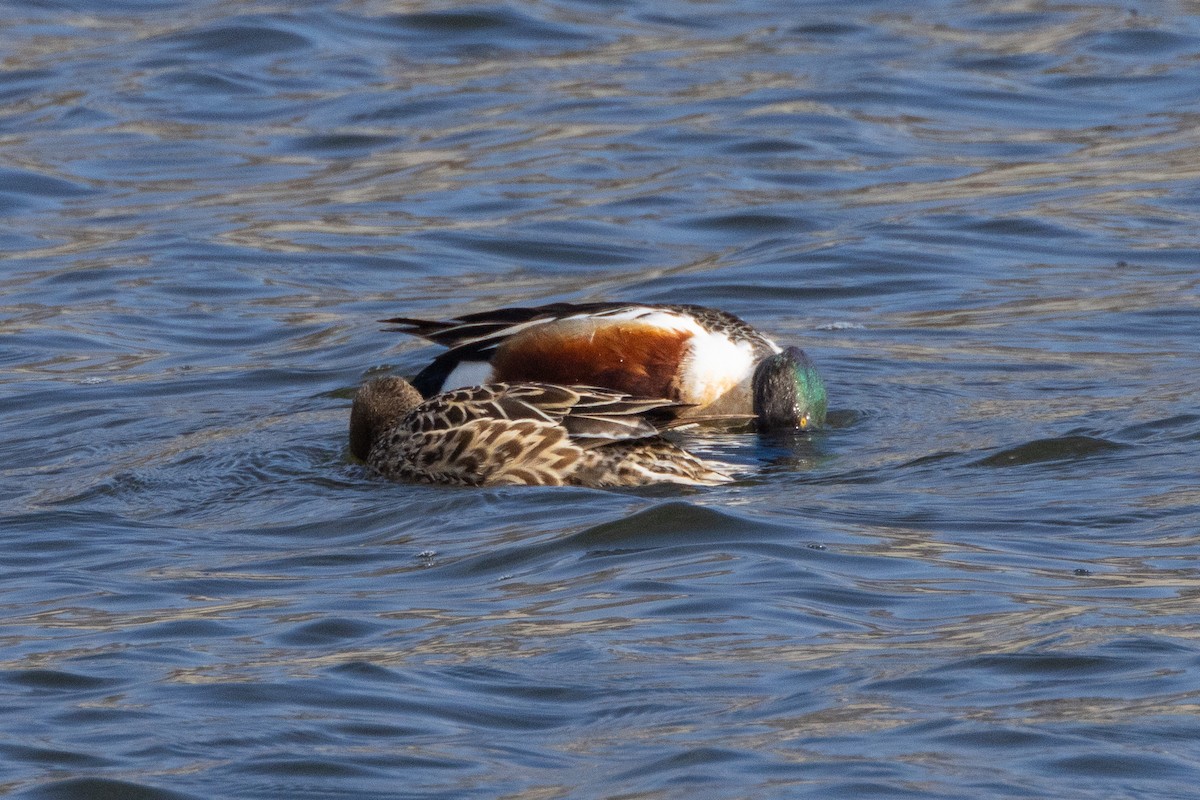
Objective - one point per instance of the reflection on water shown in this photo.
(978, 581)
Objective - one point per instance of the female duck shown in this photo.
(522, 433)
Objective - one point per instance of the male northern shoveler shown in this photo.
(709, 359)
(521, 433)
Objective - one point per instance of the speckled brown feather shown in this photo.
(534, 434)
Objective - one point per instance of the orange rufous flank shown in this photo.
(626, 355)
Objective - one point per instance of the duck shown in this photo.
(712, 361)
(522, 433)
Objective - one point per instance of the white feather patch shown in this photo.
(658, 317)
(715, 367)
(467, 373)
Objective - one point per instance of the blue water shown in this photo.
(981, 221)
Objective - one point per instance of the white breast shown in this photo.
(717, 369)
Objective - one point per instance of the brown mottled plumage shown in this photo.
(520, 433)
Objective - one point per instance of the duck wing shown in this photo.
(473, 334)
(524, 433)
(486, 329)
(591, 416)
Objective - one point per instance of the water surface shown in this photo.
(979, 219)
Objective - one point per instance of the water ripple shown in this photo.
(979, 580)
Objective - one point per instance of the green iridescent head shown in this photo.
(788, 392)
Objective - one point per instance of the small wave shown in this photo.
(97, 788)
(237, 40)
(673, 522)
(1059, 448)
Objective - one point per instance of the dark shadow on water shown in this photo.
(792, 452)
(1058, 448)
(101, 789)
(670, 523)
